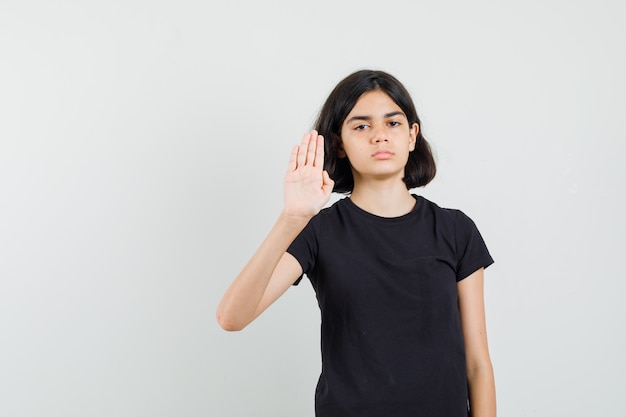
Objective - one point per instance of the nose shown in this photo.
(379, 133)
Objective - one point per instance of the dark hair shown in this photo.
(420, 168)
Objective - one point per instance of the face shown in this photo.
(376, 138)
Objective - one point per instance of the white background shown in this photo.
(142, 149)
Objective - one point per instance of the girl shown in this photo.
(399, 280)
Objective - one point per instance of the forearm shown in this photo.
(307, 189)
(482, 391)
(238, 306)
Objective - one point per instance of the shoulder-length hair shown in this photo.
(420, 168)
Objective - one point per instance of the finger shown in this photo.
(327, 183)
(319, 152)
(302, 149)
(293, 159)
(310, 152)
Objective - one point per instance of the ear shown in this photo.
(413, 131)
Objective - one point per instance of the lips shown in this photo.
(382, 154)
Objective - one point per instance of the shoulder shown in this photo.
(327, 215)
(460, 231)
(451, 222)
(336, 209)
(452, 215)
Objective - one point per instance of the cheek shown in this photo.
(355, 150)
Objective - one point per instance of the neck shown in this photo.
(383, 198)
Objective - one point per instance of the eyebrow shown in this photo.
(387, 115)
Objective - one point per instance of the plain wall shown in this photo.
(142, 149)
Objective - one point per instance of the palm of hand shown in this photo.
(307, 187)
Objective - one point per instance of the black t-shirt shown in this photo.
(392, 343)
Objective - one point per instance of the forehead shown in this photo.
(373, 103)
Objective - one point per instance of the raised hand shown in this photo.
(307, 186)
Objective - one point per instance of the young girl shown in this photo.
(399, 280)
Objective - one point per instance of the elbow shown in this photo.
(228, 324)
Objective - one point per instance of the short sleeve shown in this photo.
(304, 247)
(471, 250)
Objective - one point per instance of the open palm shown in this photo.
(307, 186)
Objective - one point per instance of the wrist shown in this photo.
(295, 220)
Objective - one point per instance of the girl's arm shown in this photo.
(482, 392)
(271, 270)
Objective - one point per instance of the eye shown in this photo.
(394, 123)
(360, 127)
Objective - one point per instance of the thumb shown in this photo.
(327, 183)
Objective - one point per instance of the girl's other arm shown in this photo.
(480, 377)
(271, 270)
